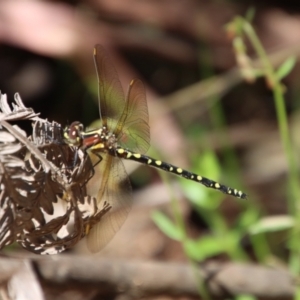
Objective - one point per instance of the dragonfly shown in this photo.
(124, 134)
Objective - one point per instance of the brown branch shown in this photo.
(139, 279)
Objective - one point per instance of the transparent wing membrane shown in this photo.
(133, 130)
(114, 192)
(111, 95)
(129, 118)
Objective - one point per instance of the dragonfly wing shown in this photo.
(115, 197)
(133, 130)
(111, 95)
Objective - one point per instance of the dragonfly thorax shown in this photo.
(98, 139)
(101, 139)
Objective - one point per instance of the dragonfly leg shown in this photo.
(98, 156)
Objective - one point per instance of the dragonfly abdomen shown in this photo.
(147, 160)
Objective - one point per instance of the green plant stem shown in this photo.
(294, 195)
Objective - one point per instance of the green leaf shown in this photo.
(272, 224)
(247, 218)
(202, 197)
(209, 165)
(286, 67)
(245, 297)
(209, 246)
(167, 226)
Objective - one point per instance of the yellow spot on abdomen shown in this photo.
(98, 146)
(137, 155)
(179, 170)
(121, 151)
(199, 178)
(158, 162)
(149, 161)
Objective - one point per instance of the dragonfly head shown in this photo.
(73, 134)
